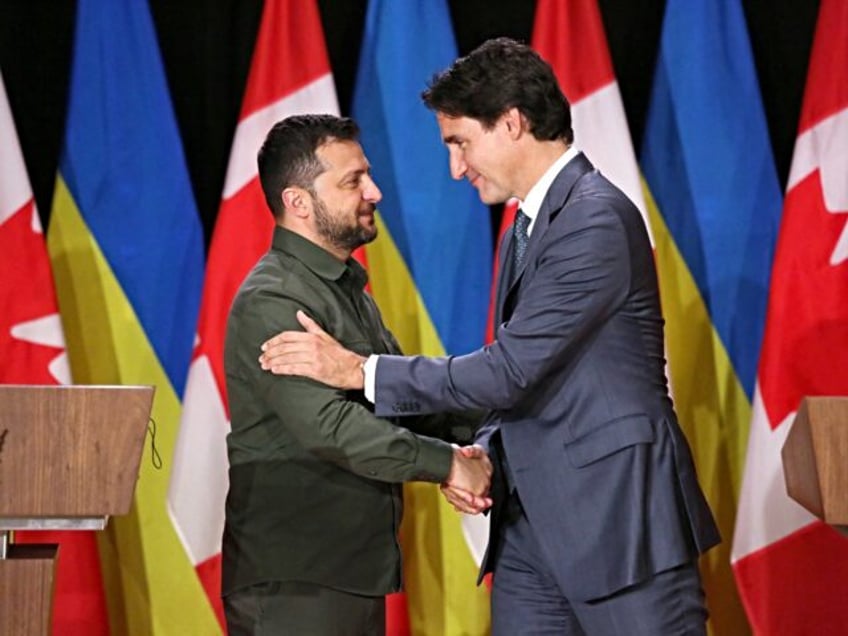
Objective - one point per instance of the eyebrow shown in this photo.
(452, 139)
(357, 172)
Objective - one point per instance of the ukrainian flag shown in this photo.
(715, 209)
(127, 251)
(429, 272)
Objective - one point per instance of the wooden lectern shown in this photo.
(69, 459)
(815, 459)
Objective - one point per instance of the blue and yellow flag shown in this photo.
(127, 251)
(429, 272)
(707, 159)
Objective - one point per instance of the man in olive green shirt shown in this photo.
(314, 506)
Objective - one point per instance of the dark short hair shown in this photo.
(287, 157)
(498, 75)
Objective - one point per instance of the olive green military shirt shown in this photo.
(314, 476)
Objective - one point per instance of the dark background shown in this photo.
(206, 46)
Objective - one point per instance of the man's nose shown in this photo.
(371, 192)
(458, 167)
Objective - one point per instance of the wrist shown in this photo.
(359, 373)
(456, 456)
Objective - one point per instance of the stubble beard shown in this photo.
(339, 234)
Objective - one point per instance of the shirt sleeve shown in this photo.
(369, 370)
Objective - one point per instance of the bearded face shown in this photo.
(345, 229)
(344, 198)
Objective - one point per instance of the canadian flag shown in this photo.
(569, 35)
(289, 74)
(32, 350)
(791, 568)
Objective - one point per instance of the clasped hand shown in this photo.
(467, 485)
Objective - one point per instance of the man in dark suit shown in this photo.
(598, 517)
(314, 504)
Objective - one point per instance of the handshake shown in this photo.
(315, 354)
(467, 485)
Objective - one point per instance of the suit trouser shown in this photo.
(526, 598)
(302, 609)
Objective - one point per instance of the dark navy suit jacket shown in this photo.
(575, 382)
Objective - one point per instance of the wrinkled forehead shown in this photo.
(341, 159)
(341, 155)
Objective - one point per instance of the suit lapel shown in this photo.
(555, 199)
(504, 275)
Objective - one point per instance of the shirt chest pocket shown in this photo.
(359, 346)
(367, 339)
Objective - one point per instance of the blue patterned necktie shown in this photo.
(521, 239)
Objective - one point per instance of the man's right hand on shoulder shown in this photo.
(312, 353)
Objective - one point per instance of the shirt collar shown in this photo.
(533, 201)
(317, 259)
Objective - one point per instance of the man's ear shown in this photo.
(515, 123)
(296, 201)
